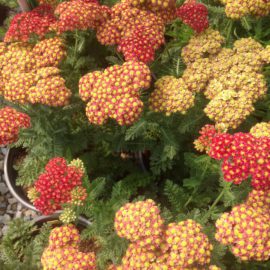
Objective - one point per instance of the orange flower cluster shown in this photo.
(165, 9)
(171, 95)
(30, 74)
(246, 228)
(114, 93)
(231, 78)
(79, 14)
(156, 246)
(63, 251)
(237, 9)
(11, 121)
(138, 33)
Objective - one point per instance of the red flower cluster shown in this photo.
(114, 93)
(11, 121)
(194, 15)
(37, 21)
(203, 143)
(79, 14)
(138, 33)
(55, 185)
(243, 155)
(63, 251)
(155, 246)
(246, 228)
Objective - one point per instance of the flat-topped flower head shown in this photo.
(11, 121)
(34, 22)
(79, 15)
(246, 231)
(137, 221)
(188, 245)
(171, 95)
(114, 93)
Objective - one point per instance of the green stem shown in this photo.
(209, 212)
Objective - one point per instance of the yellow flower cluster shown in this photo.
(171, 95)
(206, 43)
(236, 9)
(30, 74)
(231, 78)
(63, 251)
(229, 109)
(155, 246)
(261, 130)
(68, 215)
(246, 228)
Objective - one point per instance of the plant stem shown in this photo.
(206, 216)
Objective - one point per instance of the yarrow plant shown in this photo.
(166, 100)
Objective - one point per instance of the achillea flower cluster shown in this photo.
(243, 156)
(68, 215)
(155, 246)
(261, 130)
(165, 9)
(63, 251)
(231, 78)
(56, 185)
(208, 42)
(171, 95)
(138, 33)
(246, 228)
(194, 15)
(188, 244)
(79, 15)
(30, 74)
(207, 133)
(237, 9)
(11, 121)
(139, 221)
(229, 109)
(25, 24)
(114, 93)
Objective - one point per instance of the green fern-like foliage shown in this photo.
(23, 245)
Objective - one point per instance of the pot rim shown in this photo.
(11, 188)
(56, 215)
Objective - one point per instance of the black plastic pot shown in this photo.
(10, 176)
(81, 221)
